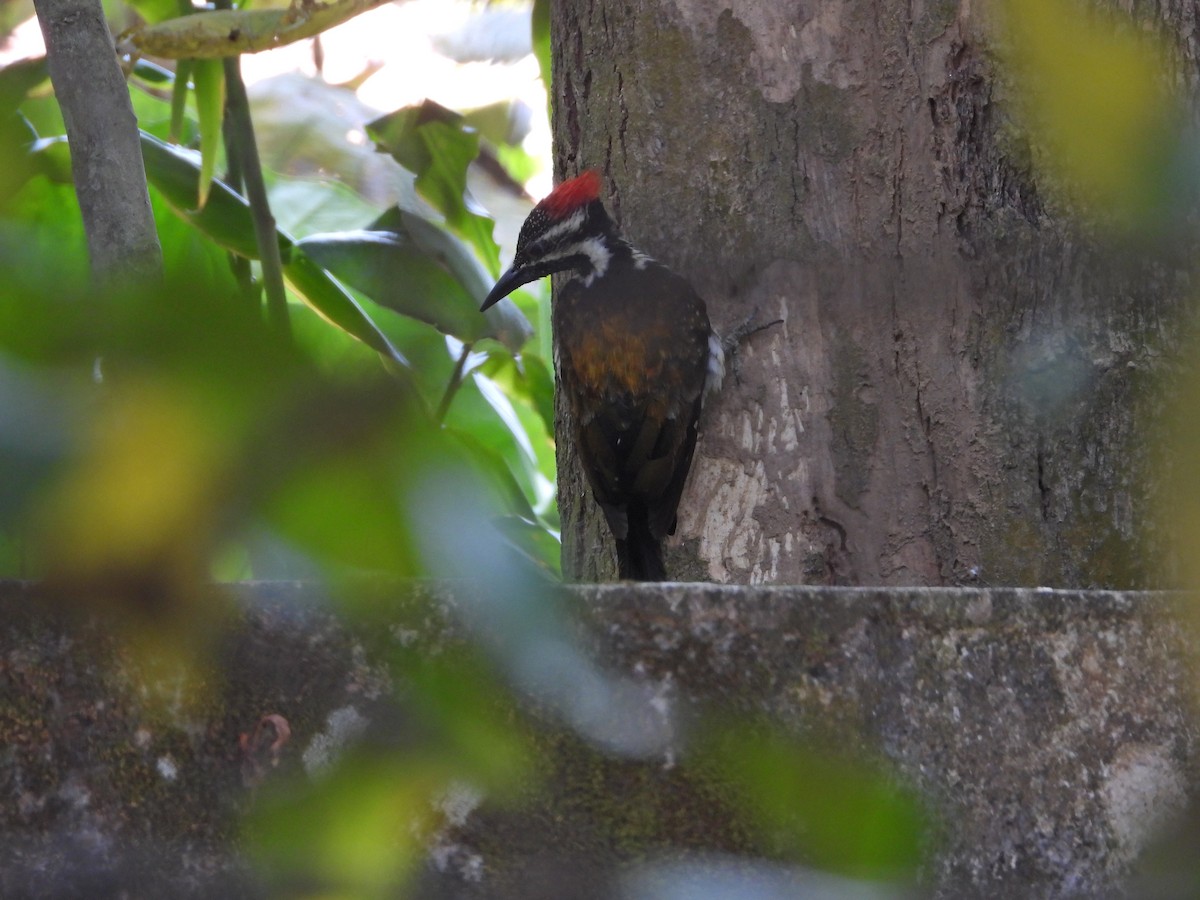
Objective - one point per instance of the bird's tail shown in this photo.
(639, 556)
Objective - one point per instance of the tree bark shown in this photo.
(963, 384)
(106, 155)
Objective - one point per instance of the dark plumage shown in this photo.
(635, 355)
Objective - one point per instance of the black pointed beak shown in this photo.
(508, 282)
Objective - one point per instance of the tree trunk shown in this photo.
(963, 382)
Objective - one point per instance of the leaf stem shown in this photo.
(456, 379)
(245, 148)
(239, 265)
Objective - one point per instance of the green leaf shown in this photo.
(307, 206)
(1093, 89)
(493, 122)
(208, 75)
(437, 145)
(490, 463)
(823, 807)
(18, 79)
(395, 273)
(529, 390)
(527, 379)
(17, 166)
(179, 91)
(486, 420)
(345, 512)
(506, 322)
(225, 219)
(534, 540)
(331, 302)
(153, 73)
(412, 277)
(156, 10)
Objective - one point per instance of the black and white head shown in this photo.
(568, 231)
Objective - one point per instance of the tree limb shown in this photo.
(106, 156)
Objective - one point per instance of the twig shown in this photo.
(245, 148)
(456, 378)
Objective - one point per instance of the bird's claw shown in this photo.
(733, 341)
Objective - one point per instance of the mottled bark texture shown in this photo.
(965, 384)
(106, 154)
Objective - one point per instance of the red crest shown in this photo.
(572, 194)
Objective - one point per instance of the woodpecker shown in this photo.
(636, 356)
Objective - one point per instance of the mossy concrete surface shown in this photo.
(1052, 733)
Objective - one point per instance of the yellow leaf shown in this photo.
(1096, 100)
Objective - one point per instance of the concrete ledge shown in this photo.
(1052, 730)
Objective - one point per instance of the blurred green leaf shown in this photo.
(477, 720)
(437, 145)
(836, 812)
(16, 132)
(208, 75)
(361, 826)
(331, 302)
(484, 412)
(491, 463)
(155, 10)
(340, 511)
(12, 14)
(44, 241)
(18, 79)
(17, 165)
(1095, 93)
(527, 379)
(532, 539)
(52, 158)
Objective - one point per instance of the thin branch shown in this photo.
(238, 264)
(106, 153)
(246, 150)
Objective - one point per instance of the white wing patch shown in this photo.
(566, 226)
(715, 373)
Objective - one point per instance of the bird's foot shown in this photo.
(733, 341)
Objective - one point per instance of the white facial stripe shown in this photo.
(593, 248)
(566, 226)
